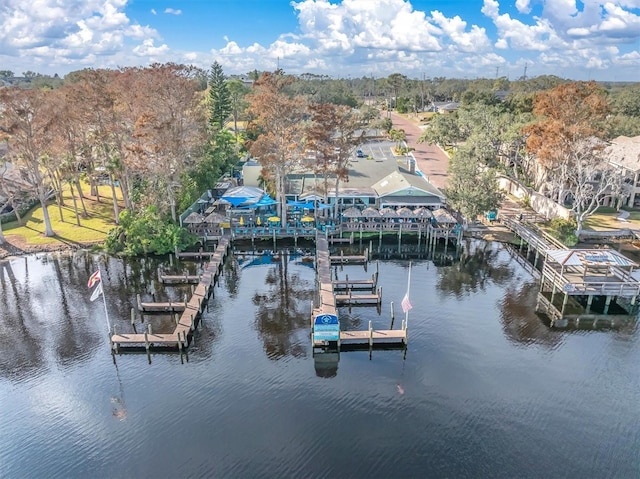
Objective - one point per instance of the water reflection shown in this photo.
(519, 320)
(480, 265)
(283, 310)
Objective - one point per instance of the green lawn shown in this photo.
(92, 229)
(608, 221)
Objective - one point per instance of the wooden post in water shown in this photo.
(176, 318)
(379, 295)
(146, 339)
(393, 315)
(370, 335)
(139, 302)
(133, 316)
(171, 259)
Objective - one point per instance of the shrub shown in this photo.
(145, 232)
(564, 230)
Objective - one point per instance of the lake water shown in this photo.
(485, 388)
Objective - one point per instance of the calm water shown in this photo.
(485, 390)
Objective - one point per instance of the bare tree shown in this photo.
(27, 123)
(281, 118)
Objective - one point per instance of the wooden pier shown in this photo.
(179, 278)
(574, 282)
(186, 323)
(357, 284)
(328, 300)
(374, 336)
(201, 254)
(167, 307)
(351, 299)
(352, 259)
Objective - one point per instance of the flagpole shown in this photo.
(104, 301)
(406, 314)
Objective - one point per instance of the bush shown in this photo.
(145, 232)
(564, 230)
(24, 209)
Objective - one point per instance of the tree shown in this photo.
(237, 93)
(220, 106)
(472, 188)
(281, 119)
(27, 121)
(590, 179)
(397, 135)
(331, 134)
(6, 73)
(566, 139)
(168, 128)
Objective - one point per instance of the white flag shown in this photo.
(96, 292)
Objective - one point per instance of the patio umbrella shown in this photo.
(258, 221)
(273, 219)
(242, 221)
(307, 219)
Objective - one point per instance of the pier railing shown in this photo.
(604, 288)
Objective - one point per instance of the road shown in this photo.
(430, 159)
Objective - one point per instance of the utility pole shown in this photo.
(422, 90)
(524, 76)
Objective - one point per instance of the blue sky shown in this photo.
(579, 39)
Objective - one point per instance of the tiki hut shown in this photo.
(352, 212)
(423, 214)
(388, 213)
(443, 217)
(405, 212)
(370, 213)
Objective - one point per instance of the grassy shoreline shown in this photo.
(29, 237)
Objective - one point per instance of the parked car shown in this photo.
(360, 154)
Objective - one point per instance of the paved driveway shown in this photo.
(430, 159)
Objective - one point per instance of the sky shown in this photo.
(576, 39)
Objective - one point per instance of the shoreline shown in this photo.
(16, 247)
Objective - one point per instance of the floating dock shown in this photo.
(186, 323)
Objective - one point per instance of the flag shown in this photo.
(406, 304)
(93, 279)
(96, 292)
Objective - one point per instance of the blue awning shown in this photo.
(310, 205)
(264, 201)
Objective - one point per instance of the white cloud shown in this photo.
(340, 37)
(148, 49)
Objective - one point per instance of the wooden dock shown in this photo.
(179, 278)
(153, 307)
(375, 336)
(357, 284)
(201, 254)
(351, 259)
(186, 323)
(351, 299)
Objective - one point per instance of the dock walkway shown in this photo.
(186, 323)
